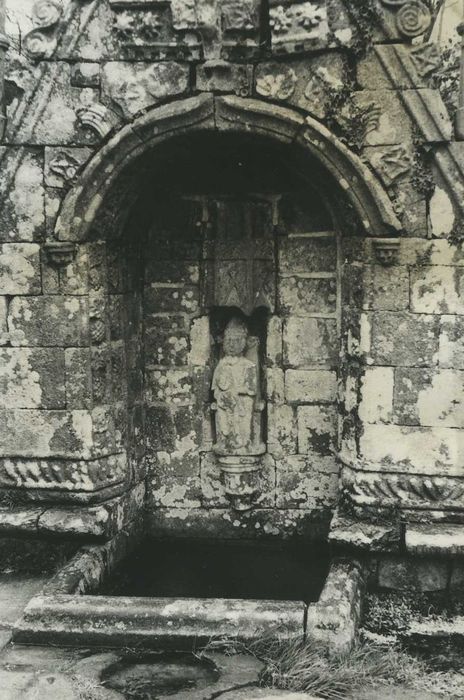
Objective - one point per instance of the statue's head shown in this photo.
(235, 337)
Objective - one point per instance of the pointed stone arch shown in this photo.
(221, 114)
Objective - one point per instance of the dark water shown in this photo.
(143, 676)
(294, 570)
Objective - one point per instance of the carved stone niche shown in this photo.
(240, 293)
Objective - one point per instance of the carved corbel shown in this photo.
(386, 250)
(60, 253)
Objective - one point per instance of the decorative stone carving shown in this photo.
(238, 411)
(278, 84)
(134, 87)
(413, 16)
(297, 26)
(386, 250)
(390, 162)
(426, 58)
(222, 76)
(64, 166)
(41, 41)
(404, 490)
(60, 253)
(98, 118)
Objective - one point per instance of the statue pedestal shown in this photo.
(240, 477)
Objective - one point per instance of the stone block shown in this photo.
(408, 574)
(133, 87)
(282, 431)
(435, 540)
(220, 76)
(300, 486)
(310, 84)
(171, 271)
(310, 386)
(167, 341)
(373, 537)
(50, 320)
(421, 252)
(317, 430)
(274, 341)
(200, 342)
(175, 477)
(442, 215)
(78, 378)
(302, 296)
(32, 378)
(427, 397)
(171, 386)
(63, 164)
(386, 289)
(376, 404)
(309, 342)
(171, 299)
(404, 339)
(451, 345)
(52, 116)
(387, 120)
(40, 433)
(437, 290)
(411, 449)
(20, 269)
(307, 254)
(275, 385)
(101, 375)
(22, 198)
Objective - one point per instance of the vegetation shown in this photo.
(299, 666)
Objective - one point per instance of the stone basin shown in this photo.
(175, 595)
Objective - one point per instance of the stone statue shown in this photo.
(236, 392)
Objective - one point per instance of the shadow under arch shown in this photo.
(224, 114)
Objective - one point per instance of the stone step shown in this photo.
(125, 621)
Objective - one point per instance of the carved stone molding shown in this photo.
(60, 253)
(42, 40)
(62, 475)
(240, 115)
(427, 111)
(386, 250)
(387, 490)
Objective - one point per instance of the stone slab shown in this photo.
(122, 621)
(16, 590)
(435, 540)
(373, 537)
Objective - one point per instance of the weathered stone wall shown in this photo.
(93, 359)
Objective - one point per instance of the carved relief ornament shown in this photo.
(41, 41)
(413, 17)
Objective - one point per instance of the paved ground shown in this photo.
(46, 673)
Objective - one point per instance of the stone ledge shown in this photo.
(435, 540)
(373, 537)
(102, 521)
